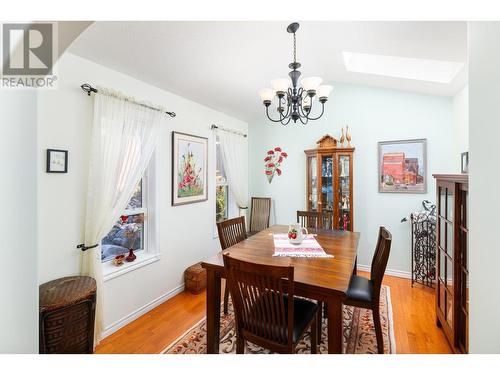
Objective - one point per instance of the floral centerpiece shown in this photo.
(273, 161)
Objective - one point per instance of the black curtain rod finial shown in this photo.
(88, 89)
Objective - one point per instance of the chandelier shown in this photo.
(295, 99)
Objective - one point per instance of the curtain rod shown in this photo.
(89, 90)
(228, 130)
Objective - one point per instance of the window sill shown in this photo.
(110, 271)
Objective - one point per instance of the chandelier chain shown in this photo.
(294, 48)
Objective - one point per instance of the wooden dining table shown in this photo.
(321, 279)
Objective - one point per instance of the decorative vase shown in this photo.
(348, 136)
(342, 138)
(270, 177)
(131, 256)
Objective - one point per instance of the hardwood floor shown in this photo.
(413, 314)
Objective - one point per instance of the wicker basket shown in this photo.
(67, 315)
(195, 278)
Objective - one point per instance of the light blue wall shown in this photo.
(373, 115)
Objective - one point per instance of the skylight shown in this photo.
(402, 67)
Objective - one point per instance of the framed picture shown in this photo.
(189, 168)
(402, 166)
(465, 162)
(57, 161)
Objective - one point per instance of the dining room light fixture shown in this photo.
(295, 99)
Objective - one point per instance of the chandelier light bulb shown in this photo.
(280, 85)
(266, 95)
(311, 83)
(324, 91)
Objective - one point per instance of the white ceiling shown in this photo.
(223, 64)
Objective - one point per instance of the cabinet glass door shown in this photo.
(327, 183)
(463, 311)
(313, 183)
(446, 265)
(344, 186)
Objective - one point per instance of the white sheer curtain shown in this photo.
(234, 149)
(124, 136)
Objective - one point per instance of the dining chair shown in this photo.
(259, 214)
(230, 232)
(265, 314)
(365, 293)
(315, 219)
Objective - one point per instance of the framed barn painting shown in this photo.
(189, 168)
(402, 166)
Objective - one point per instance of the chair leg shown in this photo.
(226, 299)
(314, 335)
(240, 345)
(320, 321)
(378, 328)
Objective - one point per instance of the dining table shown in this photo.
(323, 279)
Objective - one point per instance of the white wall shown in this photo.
(18, 229)
(186, 232)
(460, 125)
(484, 202)
(373, 115)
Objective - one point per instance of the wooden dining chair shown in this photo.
(231, 232)
(315, 219)
(260, 214)
(365, 293)
(265, 315)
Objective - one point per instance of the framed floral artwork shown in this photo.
(189, 168)
(402, 166)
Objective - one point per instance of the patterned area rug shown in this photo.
(359, 334)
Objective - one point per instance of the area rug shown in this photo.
(359, 334)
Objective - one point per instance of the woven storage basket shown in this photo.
(67, 315)
(195, 278)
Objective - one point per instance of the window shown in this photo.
(129, 232)
(221, 187)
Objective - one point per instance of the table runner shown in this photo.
(309, 247)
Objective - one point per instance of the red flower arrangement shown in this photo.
(273, 162)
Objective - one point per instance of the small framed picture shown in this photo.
(57, 161)
(465, 162)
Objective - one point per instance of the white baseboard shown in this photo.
(397, 273)
(112, 328)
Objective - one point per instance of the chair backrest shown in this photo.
(380, 258)
(259, 216)
(263, 313)
(231, 231)
(315, 219)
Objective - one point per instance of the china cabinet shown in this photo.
(330, 181)
(452, 259)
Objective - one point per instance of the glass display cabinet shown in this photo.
(452, 260)
(330, 182)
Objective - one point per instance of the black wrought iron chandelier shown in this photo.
(295, 99)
